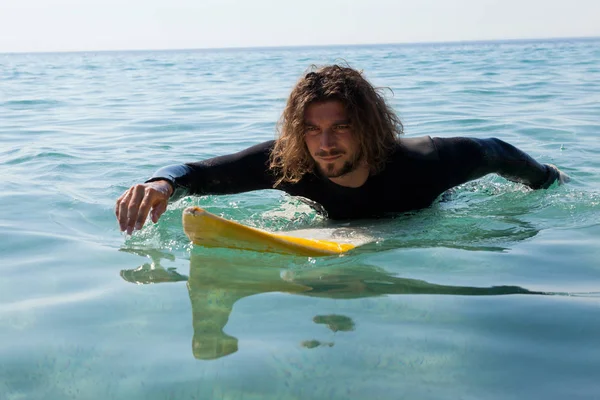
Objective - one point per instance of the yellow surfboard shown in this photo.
(206, 229)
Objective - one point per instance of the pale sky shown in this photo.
(81, 25)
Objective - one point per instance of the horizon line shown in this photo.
(277, 47)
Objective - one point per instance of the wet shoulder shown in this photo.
(415, 148)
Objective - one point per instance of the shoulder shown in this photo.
(260, 150)
(264, 147)
(422, 148)
(255, 156)
(464, 147)
(438, 148)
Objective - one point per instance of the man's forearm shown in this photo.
(515, 165)
(240, 172)
(465, 159)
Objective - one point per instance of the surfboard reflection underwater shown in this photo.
(219, 278)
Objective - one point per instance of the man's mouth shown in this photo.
(330, 158)
(330, 155)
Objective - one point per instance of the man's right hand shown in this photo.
(134, 205)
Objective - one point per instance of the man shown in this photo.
(339, 146)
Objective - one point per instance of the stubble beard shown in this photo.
(329, 170)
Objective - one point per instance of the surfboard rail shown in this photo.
(207, 229)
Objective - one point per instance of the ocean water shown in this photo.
(493, 293)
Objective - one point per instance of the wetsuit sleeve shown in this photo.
(466, 159)
(234, 173)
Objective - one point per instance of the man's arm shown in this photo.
(240, 172)
(467, 159)
(235, 173)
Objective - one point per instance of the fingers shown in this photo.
(121, 209)
(118, 204)
(134, 205)
(158, 210)
(150, 201)
(562, 177)
(133, 208)
(127, 207)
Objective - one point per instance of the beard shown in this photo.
(330, 171)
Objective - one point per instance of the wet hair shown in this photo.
(373, 121)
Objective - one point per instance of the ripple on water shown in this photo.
(492, 277)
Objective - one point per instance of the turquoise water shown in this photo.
(492, 293)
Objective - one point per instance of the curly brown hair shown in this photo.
(372, 119)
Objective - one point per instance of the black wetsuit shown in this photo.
(416, 173)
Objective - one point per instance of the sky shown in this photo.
(86, 25)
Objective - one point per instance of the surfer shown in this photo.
(339, 146)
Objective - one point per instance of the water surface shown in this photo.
(491, 293)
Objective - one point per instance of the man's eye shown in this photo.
(311, 129)
(342, 126)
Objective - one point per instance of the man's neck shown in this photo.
(353, 179)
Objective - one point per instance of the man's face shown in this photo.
(330, 138)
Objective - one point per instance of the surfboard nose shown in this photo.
(195, 210)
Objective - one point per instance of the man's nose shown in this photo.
(327, 139)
